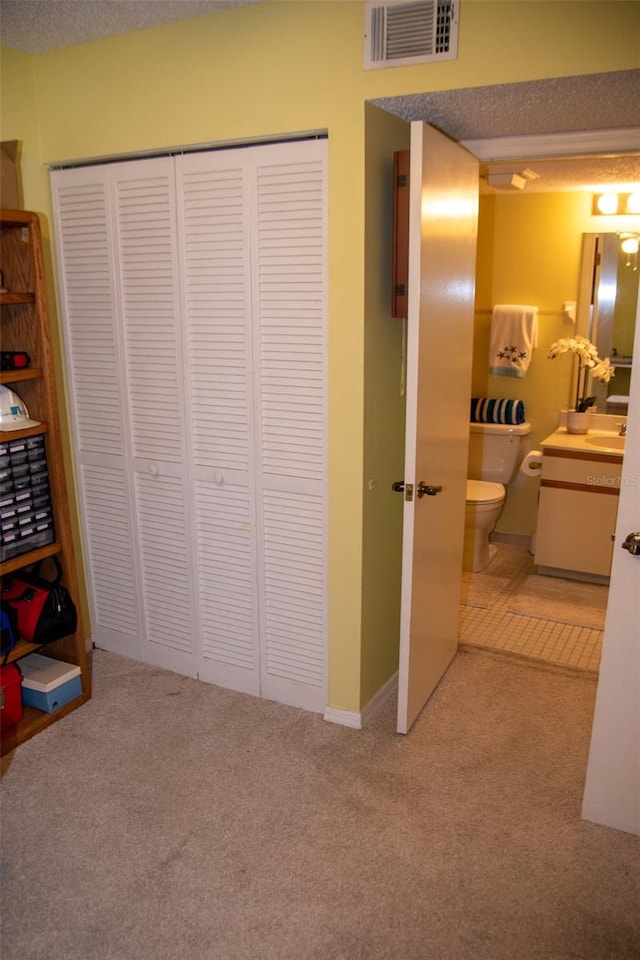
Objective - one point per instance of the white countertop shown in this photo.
(596, 442)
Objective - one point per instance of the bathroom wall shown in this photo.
(529, 250)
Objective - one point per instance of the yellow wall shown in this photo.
(270, 69)
(384, 409)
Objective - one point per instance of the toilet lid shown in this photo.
(484, 491)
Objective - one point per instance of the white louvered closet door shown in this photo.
(144, 209)
(124, 345)
(214, 217)
(194, 302)
(288, 242)
(253, 222)
(95, 379)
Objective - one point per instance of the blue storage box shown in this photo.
(49, 684)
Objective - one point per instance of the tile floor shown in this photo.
(563, 645)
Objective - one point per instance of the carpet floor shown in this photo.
(169, 819)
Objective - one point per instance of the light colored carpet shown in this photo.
(169, 819)
(481, 589)
(563, 601)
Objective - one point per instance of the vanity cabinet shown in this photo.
(577, 513)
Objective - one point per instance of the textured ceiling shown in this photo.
(35, 26)
(599, 101)
(602, 101)
(561, 105)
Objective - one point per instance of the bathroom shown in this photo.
(530, 251)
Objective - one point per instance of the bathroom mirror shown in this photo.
(608, 298)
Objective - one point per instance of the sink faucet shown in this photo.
(623, 429)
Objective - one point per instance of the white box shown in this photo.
(49, 684)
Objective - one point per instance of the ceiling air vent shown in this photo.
(398, 33)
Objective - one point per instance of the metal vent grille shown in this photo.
(398, 33)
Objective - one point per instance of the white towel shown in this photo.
(514, 335)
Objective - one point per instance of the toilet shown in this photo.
(495, 453)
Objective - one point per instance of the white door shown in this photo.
(442, 254)
(194, 302)
(612, 788)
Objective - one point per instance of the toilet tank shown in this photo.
(496, 450)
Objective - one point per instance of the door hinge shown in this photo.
(400, 289)
(402, 180)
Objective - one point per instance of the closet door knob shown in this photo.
(153, 470)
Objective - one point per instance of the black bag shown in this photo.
(44, 609)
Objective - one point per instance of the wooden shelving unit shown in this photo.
(25, 327)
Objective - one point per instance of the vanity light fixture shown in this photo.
(615, 204)
(630, 242)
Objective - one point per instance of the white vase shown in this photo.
(578, 422)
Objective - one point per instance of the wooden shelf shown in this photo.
(26, 559)
(6, 435)
(9, 299)
(25, 373)
(25, 327)
(33, 721)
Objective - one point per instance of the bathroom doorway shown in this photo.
(521, 121)
(508, 607)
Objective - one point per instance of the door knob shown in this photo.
(632, 544)
(401, 487)
(427, 489)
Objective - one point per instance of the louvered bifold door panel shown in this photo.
(165, 566)
(214, 223)
(289, 241)
(85, 271)
(143, 194)
(89, 321)
(109, 551)
(144, 200)
(227, 586)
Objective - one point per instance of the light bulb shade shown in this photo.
(607, 203)
(630, 245)
(633, 202)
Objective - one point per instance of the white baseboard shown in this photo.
(350, 718)
(346, 718)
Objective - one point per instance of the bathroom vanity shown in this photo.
(578, 505)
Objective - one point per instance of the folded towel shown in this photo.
(514, 334)
(486, 410)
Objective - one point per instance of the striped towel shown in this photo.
(485, 410)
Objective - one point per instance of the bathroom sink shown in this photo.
(606, 443)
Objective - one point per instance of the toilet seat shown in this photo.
(484, 491)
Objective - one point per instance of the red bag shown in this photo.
(44, 608)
